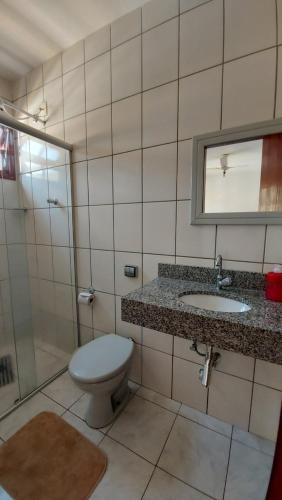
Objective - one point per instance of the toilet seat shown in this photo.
(101, 359)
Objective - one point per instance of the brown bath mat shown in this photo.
(47, 459)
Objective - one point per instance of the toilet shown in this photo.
(101, 368)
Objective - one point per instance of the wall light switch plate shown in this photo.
(131, 271)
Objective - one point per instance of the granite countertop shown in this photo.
(158, 306)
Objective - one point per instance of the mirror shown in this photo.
(237, 175)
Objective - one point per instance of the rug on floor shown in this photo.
(49, 459)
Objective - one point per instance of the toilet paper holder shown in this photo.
(86, 296)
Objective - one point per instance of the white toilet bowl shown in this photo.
(100, 368)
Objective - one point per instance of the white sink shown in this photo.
(214, 303)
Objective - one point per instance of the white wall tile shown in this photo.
(104, 312)
(234, 265)
(128, 234)
(102, 264)
(126, 27)
(159, 227)
(53, 94)
(42, 226)
(126, 329)
(194, 261)
(273, 247)
(201, 38)
(81, 223)
(40, 191)
(159, 173)
(182, 349)
(230, 399)
(80, 183)
(158, 340)
(266, 406)
(241, 242)
(100, 181)
(184, 173)
(160, 54)
(97, 43)
(158, 11)
(268, 374)
(34, 79)
(200, 103)
(75, 134)
(101, 227)
(62, 265)
(186, 386)
(193, 241)
(19, 88)
(160, 115)
(52, 68)
(57, 181)
(243, 88)
(127, 177)
(83, 268)
(136, 365)
(127, 124)
(60, 233)
(157, 371)
(236, 364)
(190, 4)
(99, 141)
(98, 82)
(249, 26)
(126, 69)
(150, 265)
(73, 56)
(44, 260)
(74, 93)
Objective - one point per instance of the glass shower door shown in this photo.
(38, 324)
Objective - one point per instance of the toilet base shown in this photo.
(104, 408)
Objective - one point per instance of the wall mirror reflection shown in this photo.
(237, 175)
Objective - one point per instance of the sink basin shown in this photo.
(214, 303)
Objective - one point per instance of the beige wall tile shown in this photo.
(126, 69)
(230, 399)
(126, 27)
(241, 242)
(74, 93)
(127, 172)
(265, 413)
(159, 173)
(236, 364)
(100, 180)
(97, 43)
(127, 124)
(128, 231)
(273, 246)
(99, 140)
(268, 374)
(102, 267)
(187, 387)
(158, 340)
(193, 241)
(157, 371)
(159, 227)
(73, 56)
(150, 265)
(104, 312)
(184, 173)
(160, 54)
(201, 38)
(243, 88)
(101, 227)
(158, 11)
(98, 82)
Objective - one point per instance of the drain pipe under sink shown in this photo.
(211, 359)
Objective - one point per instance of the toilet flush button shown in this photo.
(131, 271)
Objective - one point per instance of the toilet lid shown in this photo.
(101, 359)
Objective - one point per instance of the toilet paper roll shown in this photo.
(85, 298)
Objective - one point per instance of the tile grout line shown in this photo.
(228, 464)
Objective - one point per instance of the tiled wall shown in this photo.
(130, 97)
(5, 89)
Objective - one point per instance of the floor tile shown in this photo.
(25, 412)
(92, 434)
(197, 456)
(201, 418)
(63, 390)
(155, 397)
(143, 427)
(126, 477)
(254, 441)
(248, 473)
(165, 487)
(80, 407)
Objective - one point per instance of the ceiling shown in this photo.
(32, 31)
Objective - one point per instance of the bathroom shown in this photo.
(133, 95)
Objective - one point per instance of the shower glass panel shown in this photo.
(38, 323)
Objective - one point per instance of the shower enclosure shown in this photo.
(38, 319)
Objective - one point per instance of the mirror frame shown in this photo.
(221, 137)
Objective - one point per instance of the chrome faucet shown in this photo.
(220, 281)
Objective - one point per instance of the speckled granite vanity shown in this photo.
(157, 305)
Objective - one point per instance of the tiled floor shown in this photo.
(159, 449)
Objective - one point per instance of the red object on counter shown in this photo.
(273, 288)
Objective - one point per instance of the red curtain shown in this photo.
(8, 148)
